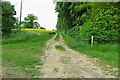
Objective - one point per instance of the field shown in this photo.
(22, 52)
(36, 30)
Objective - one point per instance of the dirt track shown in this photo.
(69, 63)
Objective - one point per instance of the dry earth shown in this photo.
(69, 63)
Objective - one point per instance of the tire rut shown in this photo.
(69, 63)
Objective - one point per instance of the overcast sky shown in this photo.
(43, 9)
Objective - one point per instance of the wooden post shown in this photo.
(20, 14)
(91, 40)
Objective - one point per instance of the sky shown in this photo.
(43, 9)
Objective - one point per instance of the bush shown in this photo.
(8, 20)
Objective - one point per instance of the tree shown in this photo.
(82, 20)
(36, 25)
(102, 23)
(30, 21)
(8, 19)
(0, 20)
(64, 18)
(42, 28)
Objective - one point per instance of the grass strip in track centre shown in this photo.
(57, 37)
(59, 47)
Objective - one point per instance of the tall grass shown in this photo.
(106, 53)
(57, 37)
(23, 49)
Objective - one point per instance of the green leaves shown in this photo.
(30, 18)
(30, 21)
(8, 19)
(97, 19)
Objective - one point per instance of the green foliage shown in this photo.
(102, 24)
(74, 32)
(59, 47)
(0, 16)
(64, 21)
(30, 18)
(30, 21)
(23, 50)
(82, 20)
(8, 19)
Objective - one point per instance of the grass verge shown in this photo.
(107, 53)
(23, 50)
(59, 47)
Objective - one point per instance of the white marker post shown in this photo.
(91, 40)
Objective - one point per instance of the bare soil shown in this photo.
(69, 63)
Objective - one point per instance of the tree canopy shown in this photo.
(81, 20)
(30, 21)
(8, 19)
